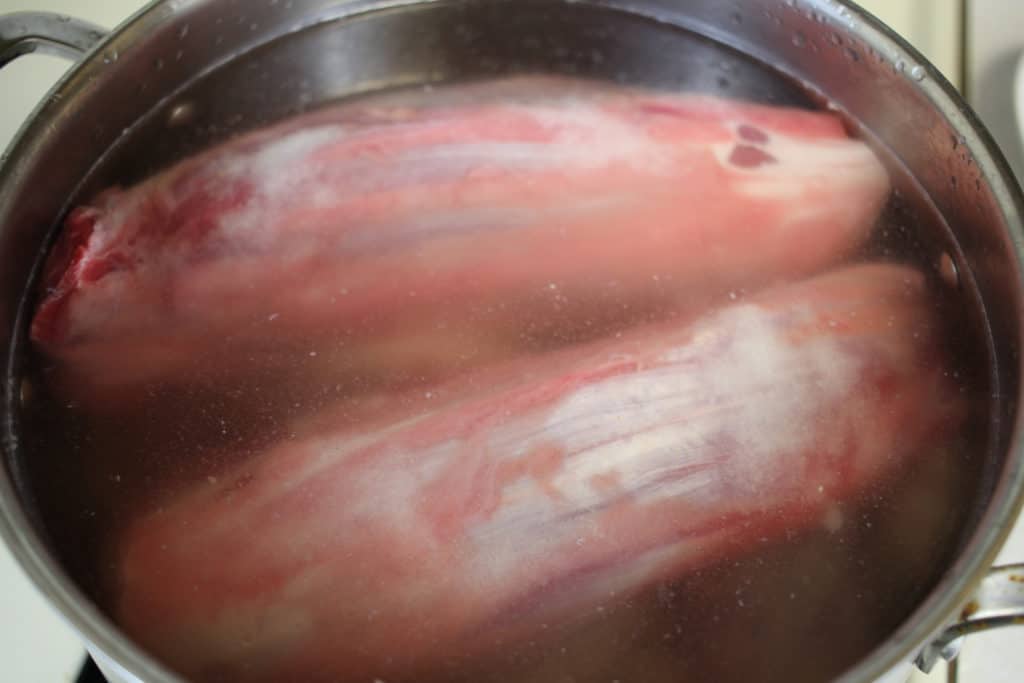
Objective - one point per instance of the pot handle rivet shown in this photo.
(23, 33)
(998, 601)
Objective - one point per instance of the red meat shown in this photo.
(410, 239)
(521, 497)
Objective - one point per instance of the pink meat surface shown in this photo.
(420, 237)
(519, 498)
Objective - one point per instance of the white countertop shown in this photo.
(36, 646)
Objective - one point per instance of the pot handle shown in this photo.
(998, 601)
(23, 33)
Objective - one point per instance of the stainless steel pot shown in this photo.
(210, 64)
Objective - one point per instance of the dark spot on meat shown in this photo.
(752, 134)
(746, 156)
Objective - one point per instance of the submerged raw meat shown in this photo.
(413, 238)
(514, 500)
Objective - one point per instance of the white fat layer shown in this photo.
(474, 219)
(276, 169)
(731, 415)
(586, 140)
(281, 152)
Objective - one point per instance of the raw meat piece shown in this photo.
(408, 239)
(517, 499)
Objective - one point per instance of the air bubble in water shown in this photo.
(181, 114)
(948, 271)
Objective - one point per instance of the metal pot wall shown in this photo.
(179, 64)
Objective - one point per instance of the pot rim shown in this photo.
(978, 555)
(121, 654)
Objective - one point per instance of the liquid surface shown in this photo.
(801, 603)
